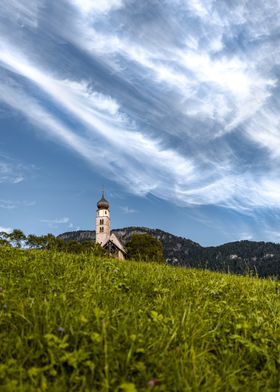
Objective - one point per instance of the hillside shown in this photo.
(73, 323)
(242, 257)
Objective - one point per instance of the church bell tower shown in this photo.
(102, 221)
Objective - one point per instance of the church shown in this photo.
(108, 241)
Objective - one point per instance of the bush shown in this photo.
(145, 247)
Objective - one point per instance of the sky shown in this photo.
(171, 105)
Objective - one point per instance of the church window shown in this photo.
(102, 221)
(101, 229)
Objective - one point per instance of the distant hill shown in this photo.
(242, 257)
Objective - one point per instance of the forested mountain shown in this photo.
(242, 257)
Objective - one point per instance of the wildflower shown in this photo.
(116, 270)
(5, 306)
(154, 382)
(60, 329)
(53, 289)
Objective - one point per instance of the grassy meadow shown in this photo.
(81, 323)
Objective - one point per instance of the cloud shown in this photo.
(198, 8)
(57, 222)
(11, 204)
(90, 7)
(128, 210)
(248, 236)
(101, 117)
(6, 229)
(23, 12)
(264, 130)
(179, 100)
(10, 173)
(8, 204)
(233, 88)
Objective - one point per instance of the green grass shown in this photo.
(76, 323)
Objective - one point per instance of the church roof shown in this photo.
(103, 203)
(114, 239)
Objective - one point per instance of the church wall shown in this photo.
(102, 226)
(120, 255)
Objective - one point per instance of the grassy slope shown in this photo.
(78, 323)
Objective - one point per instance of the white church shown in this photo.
(108, 241)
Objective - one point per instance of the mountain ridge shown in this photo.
(242, 257)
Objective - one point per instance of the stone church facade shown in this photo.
(108, 241)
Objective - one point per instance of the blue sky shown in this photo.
(172, 106)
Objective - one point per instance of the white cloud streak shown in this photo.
(11, 172)
(234, 89)
(128, 210)
(58, 222)
(231, 90)
(100, 115)
(23, 12)
(11, 204)
(92, 7)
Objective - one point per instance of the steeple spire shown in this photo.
(102, 221)
(103, 203)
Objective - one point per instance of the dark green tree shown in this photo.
(35, 241)
(91, 247)
(145, 247)
(4, 235)
(17, 237)
(51, 242)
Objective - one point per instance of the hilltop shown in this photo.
(242, 257)
(78, 322)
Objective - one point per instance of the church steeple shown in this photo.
(102, 221)
(103, 203)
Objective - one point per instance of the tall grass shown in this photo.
(79, 323)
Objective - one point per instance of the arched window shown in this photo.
(101, 229)
(102, 221)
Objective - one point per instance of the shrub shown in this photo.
(145, 247)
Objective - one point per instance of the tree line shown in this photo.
(141, 247)
(18, 239)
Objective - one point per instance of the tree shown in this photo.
(4, 235)
(17, 237)
(35, 242)
(91, 247)
(145, 247)
(4, 242)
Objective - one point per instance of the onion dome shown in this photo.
(103, 203)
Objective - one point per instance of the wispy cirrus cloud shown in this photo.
(101, 116)
(12, 171)
(21, 12)
(233, 88)
(12, 204)
(58, 222)
(128, 210)
(162, 98)
(10, 174)
(89, 7)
